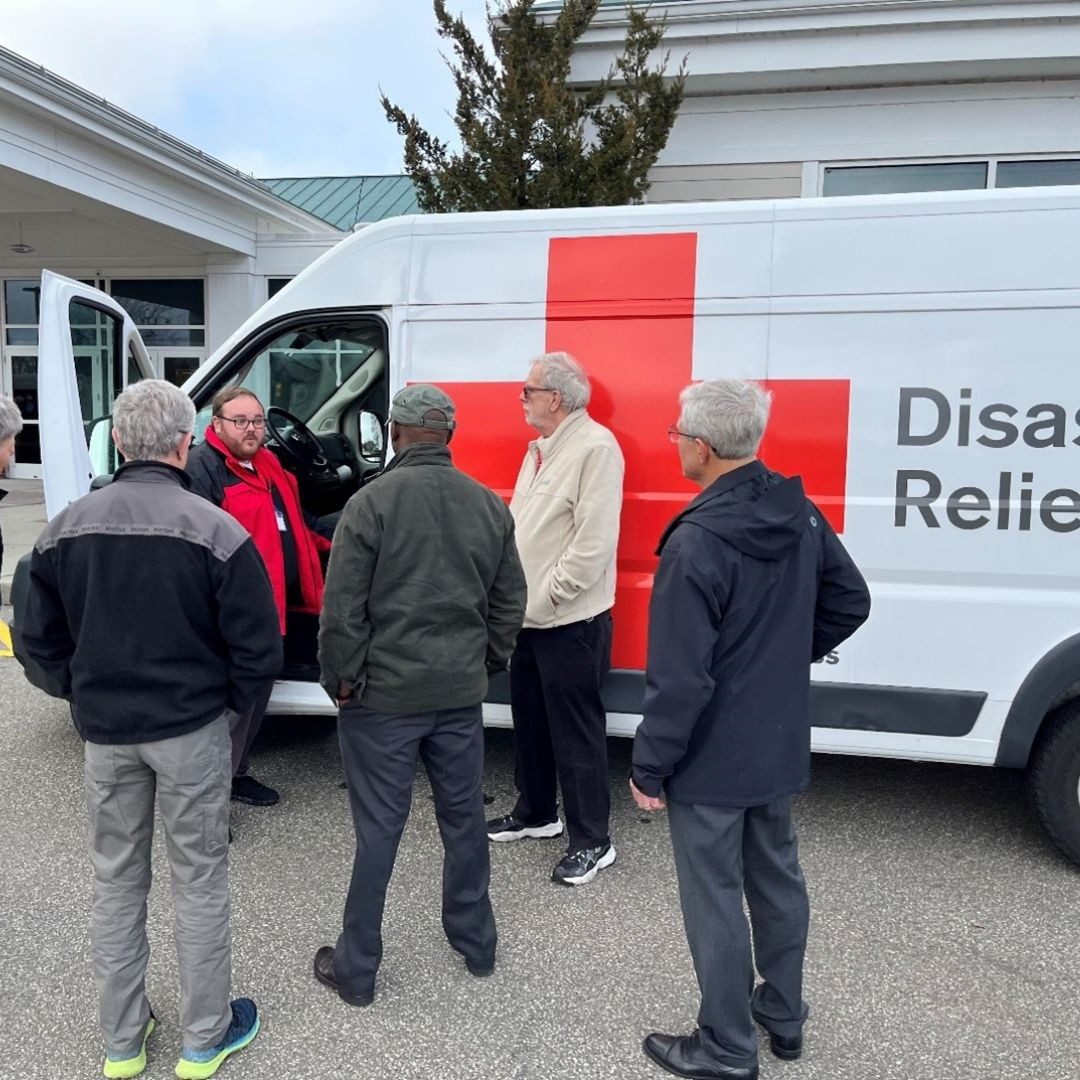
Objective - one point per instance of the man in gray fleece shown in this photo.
(424, 598)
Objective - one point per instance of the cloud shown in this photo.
(274, 87)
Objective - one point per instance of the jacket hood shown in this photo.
(759, 513)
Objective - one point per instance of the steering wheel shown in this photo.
(295, 438)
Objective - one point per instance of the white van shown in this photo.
(923, 354)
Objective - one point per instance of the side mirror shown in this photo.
(372, 438)
(103, 457)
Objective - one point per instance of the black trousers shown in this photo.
(379, 752)
(560, 728)
(243, 728)
(721, 854)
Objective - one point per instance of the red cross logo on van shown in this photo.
(624, 306)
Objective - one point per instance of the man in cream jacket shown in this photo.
(566, 508)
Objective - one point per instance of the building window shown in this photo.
(1037, 173)
(274, 285)
(22, 305)
(948, 176)
(168, 312)
(177, 369)
(890, 179)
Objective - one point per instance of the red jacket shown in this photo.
(217, 475)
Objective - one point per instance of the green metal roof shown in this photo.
(344, 201)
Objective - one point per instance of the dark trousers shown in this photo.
(379, 753)
(721, 854)
(560, 728)
(243, 728)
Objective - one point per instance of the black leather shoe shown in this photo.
(324, 972)
(477, 969)
(785, 1047)
(480, 971)
(247, 789)
(684, 1055)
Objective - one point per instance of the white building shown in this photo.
(190, 245)
(797, 97)
(785, 98)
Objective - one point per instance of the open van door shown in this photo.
(88, 351)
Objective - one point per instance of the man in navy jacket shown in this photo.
(753, 585)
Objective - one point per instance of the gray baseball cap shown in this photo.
(410, 404)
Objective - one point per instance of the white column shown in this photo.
(233, 292)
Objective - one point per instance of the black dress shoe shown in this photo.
(247, 789)
(324, 972)
(786, 1047)
(479, 969)
(684, 1055)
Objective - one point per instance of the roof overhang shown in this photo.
(59, 134)
(739, 46)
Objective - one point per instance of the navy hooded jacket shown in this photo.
(753, 585)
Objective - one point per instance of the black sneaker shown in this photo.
(508, 827)
(247, 789)
(580, 867)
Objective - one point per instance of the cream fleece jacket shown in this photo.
(566, 507)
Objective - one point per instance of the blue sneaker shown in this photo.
(117, 1068)
(200, 1064)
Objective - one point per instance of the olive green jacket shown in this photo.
(424, 593)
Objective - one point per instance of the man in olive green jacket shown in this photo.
(424, 599)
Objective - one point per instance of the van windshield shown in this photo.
(301, 370)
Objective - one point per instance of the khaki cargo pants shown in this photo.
(191, 775)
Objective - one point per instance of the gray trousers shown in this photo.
(191, 775)
(721, 854)
(243, 727)
(379, 753)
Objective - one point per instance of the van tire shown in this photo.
(1053, 777)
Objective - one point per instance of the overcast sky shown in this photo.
(273, 87)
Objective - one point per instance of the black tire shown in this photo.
(1053, 776)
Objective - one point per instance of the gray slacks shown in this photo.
(379, 752)
(722, 853)
(191, 775)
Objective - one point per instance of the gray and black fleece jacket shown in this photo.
(149, 609)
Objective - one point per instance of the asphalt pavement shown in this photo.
(944, 941)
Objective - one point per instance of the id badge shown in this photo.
(282, 527)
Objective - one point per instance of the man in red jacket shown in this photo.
(233, 470)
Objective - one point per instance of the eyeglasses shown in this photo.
(241, 422)
(528, 391)
(674, 435)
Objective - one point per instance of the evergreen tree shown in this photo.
(530, 140)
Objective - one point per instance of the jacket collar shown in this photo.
(152, 472)
(235, 465)
(421, 454)
(548, 445)
(720, 486)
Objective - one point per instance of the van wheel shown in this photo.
(1054, 778)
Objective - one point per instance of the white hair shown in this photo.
(151, 418)
(11, 422)
(560, 371)
(729, 414)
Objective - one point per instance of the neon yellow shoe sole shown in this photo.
(202, 1070)
(119, 1070)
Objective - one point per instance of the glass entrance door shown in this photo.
(22, 366)
(18, 368)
